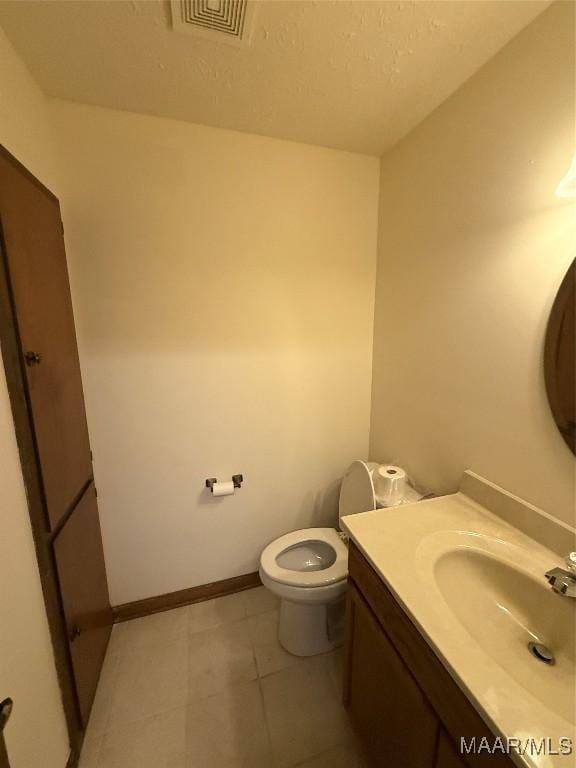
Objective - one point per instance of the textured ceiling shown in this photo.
(351, 74)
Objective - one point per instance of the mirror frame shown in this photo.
(556, 343)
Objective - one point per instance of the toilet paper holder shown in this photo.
(236, 479)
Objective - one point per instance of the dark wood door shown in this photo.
(34, 250)
(4, 763)
(447, 756)
(44, 381)
(84, 596)
(392, 717)
(5, 711)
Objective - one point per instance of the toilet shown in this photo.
(308, 570)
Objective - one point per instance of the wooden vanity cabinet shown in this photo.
(391, 715)
(405, 707)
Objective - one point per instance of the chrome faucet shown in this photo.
(563, 581)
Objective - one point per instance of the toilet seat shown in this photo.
(337, 571)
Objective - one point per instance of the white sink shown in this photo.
(505, 610)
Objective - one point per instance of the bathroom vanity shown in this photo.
(406, 708)
(444, 599)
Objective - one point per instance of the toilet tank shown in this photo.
(357, 489)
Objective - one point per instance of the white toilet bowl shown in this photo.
(308, 570)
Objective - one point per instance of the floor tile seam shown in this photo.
(253, 649)
(128, 723)
(124, 651)
(266, 674)
(191, 633)
(145, 650)
(261, 613)
(227, 687)
(299, 661)
(267, 723)
(184, 707)
(240, 595)
(111, 696)
(344, 741)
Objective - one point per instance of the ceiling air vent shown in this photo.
(224, 21)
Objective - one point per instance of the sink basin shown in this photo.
(504, 609)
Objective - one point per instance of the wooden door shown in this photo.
(36, 261)
(4, 763)
(393, 719)
(5, 712)
(84, 595)
(43, 374)
(447, 756)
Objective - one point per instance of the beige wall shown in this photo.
(36, 734)
(224, 287)
(473, 245)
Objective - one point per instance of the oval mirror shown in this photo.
(560, 358)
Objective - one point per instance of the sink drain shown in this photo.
(542, 653)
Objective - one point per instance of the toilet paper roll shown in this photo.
(223, 489)
(389, 484)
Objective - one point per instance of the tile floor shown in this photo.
(208, 686)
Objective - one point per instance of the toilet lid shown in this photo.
(357, 489)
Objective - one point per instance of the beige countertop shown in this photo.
(475, 587)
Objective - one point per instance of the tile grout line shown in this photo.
(252, 646)
(122, 651)
(266, 722)
(108, 712)
(106, 727)
(261, 692)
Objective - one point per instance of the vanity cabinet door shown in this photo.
(390, 714)
(447, 756)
